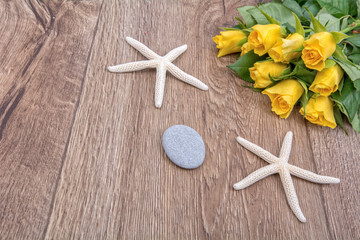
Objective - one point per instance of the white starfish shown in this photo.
(162, 64)
(280, 165)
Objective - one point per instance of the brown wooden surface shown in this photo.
(80, 148)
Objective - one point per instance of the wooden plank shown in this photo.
(129, 189)
(117, 182)
(261, 211)
(337, 154)
(44, 51)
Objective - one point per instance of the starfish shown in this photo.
(162, 65)
(281, 166)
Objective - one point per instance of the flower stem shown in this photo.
(351, 27)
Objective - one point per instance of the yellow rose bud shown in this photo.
(283, 96)
(327, 81)
(261, 70)
(227, 42)
(245, 48)
(317, 49)
(264, 37)
(280, 52)
(320, 111)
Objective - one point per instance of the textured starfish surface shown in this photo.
(281, 166)
(162, 65)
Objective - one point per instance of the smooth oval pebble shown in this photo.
(184, 146)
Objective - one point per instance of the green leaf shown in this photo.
(355, 123)
(252, 88)
(338, 36)
(341, 85)
(241, 24)
(338, 118)
(312, 6)
(305, 97)
(270, 19)
(337, 8)
(354, 40)
(258, 16)
(299, 27)
(355, 58)
(300, 72)
(330, 22)
(352, 70)
(276, 11)
(357, 84)
(242, 65)
(339, 54)
(354, 50)
(301, 2)
(294, 7)
(247, 31)
(304, 74)
(234, 28)
(242, 42)
(288, 28)
(344, 22)
(349, 99)
(318, 27)
(248, 19)
(329, 63)
(286, 71)
(353, 9)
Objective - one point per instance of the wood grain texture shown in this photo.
(44, 49)
(80, 147)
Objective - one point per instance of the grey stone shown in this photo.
(184, 146)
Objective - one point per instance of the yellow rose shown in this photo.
(280, 52)
(261, 70)
(320, 111)
(245, 48)
(227, 42)
(264, 37)
(327, 81)
(317, 49)
(283, 96)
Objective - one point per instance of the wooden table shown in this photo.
(80, 147)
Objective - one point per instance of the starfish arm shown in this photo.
(178, 73)
(268, 157)
(133, 66)
(310, 176)
(286, 147)
(291, 194)
(173, 54)
(144, 50)
(256, 176)
(160, 84)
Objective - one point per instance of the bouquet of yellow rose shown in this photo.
(300, 51)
